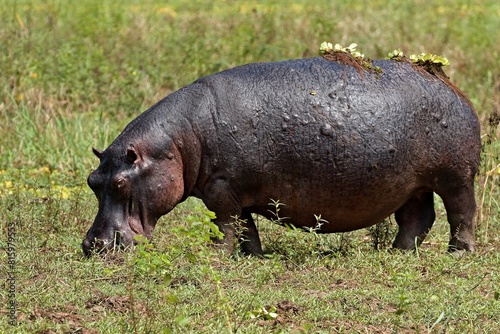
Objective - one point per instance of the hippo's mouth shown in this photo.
(135, 217)
(135, 225)
(138, 222)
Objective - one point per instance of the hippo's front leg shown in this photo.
(219, 198)
(248, 238)
(229, 240)
(240, 232)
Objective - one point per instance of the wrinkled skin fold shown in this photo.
(315, 135)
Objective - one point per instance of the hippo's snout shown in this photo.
(90, 247)
(93, 245)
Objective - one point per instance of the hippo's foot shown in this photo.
(227, 243)
(460, 209)
(248, 236)
(242, 233)
(457, 245)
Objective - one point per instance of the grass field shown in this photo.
(74, 73)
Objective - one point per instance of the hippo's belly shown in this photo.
(346, 206)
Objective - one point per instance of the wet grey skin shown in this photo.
(320, 137)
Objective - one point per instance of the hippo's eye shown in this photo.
(119, 183)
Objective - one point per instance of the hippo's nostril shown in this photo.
(95, 246)
(99, 244)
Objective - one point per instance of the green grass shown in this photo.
(74, 73)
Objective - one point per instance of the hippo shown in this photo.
(319, 136)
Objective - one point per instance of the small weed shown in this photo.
(154, 265)
(263, 313)
(403, 281)
(382, 234)
(298, 247)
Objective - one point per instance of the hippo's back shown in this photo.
(325, 139)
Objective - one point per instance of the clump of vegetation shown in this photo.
(326, 48)
(429, 62)
(433, 64)
(269, 313)
(396, 55)
(347, 56)
(428, 59)
(291, 242)
(382, 234)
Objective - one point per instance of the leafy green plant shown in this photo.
(395, 54)
(327, 47)
(347, 56)
(382, 234)
(148, 261)
(266, 313)
(426, 59)
(197, 234)
(153, 264)
(403, 281)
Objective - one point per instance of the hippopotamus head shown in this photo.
(134, 187)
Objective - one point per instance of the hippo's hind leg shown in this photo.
(460, 207)
(415, 219)
(249, 236)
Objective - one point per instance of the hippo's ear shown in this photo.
(132, 156)
(97, 152)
